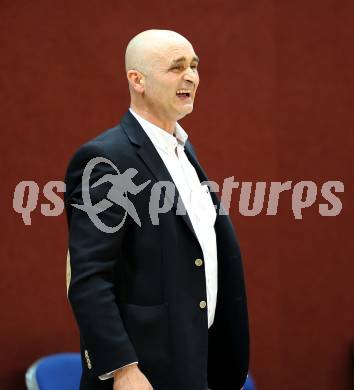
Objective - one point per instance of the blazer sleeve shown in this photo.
(94, 256)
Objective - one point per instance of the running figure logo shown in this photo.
(122, 184)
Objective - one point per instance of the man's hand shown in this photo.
(131, 378)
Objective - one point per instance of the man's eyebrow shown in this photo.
(183, 59)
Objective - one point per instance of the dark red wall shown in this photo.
(275, 104)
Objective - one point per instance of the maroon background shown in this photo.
(275, 103)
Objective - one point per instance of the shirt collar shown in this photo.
(161, 138)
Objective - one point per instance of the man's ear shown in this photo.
(136, 80)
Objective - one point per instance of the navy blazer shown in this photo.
(136, 293)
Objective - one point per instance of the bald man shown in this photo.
(159, 298)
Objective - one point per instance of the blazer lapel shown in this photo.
(150, 156)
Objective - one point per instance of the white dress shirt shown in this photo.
(196, 199)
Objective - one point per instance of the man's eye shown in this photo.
(180, 68)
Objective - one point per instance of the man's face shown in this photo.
(171, 84)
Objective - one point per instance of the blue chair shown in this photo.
(249, 385)
(61, 371)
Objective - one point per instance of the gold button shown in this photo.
(198, 262)
(202, 304)
(88, 362)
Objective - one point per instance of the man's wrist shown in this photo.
(123, 370)
(111, 374)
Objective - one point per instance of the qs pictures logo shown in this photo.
(252, 199)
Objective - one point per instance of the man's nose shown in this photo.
(190, 76)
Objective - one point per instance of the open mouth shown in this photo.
(183, 93)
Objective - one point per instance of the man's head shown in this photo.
(161, 68)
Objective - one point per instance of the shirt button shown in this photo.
(198, 262)
(202, 304)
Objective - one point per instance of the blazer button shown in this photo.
(198, 262)
(202, 304)
(88, 362)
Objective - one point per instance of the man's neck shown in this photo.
(168, 126)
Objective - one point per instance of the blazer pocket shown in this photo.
(148, 330)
